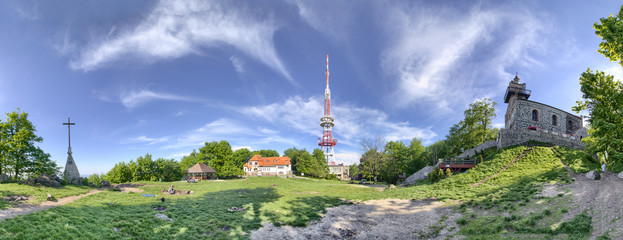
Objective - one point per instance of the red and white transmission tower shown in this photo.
(327, 142)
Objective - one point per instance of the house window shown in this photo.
(554, 120)
(570, 126)
(535, 115)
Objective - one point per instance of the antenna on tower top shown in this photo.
(327, 70)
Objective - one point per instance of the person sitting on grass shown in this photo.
(171, 190)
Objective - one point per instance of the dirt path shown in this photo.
(603, 201)
(23, 209)
(375, 219)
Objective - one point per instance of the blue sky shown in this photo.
(163, 77)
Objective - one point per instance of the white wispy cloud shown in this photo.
(238, 63)
(178, 28)
(233, 131)
(352, 123)
(134, 99)
(433, 53)
(347, 158)
(148, 141)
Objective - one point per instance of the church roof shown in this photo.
(268, 161)
(200, 168)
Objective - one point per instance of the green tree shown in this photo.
(230, 168)
(266, 153)
(603, 95)
(292, 153)
(167, 170)
(215, 154)
(95, 180)
(120, 173)
(190, 160)
(603, 98)
(373, 159)
(610, 29)
(242, 156)
(41, 163)
(144, 170)
(397, 161)
(353, 170)
(320, 168)
(19, 139)
(417, 157)
(474, 129)
(313, 165)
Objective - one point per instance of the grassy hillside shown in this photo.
(38, 194)
(505, 206)
(517, 182)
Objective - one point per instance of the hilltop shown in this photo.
(535, 197)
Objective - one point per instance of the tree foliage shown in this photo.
(18, 154)
(603, 95)
(373, 159)
(474, 129)
(610, 29)
(302, 161)
(603, 98)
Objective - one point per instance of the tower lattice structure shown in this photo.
(327, 142)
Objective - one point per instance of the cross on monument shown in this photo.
(71, 170)
(69, 123)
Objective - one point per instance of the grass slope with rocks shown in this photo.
(507, 205)
(37, 194)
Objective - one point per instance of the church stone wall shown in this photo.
(521, 117)
(510, 137)
(479, 148)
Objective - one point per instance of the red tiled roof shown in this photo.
(268, 161)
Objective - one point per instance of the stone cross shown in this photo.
(71, 172)
(69, 123)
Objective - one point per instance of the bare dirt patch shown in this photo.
(23, 209)
(375, 219)
(602, 199)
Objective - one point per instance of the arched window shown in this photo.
(570, 126)
(554, 120)
(535, 115)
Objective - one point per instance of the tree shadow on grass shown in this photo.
(115, 215)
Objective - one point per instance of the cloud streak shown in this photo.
(352, 123)
(178, 28)
(235, 132)
(434, 56)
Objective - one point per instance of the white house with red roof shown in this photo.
(268, 166)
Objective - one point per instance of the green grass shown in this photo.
(200, 215)
(517, 183)
(38, 194)
(296, 202)
(578, 161)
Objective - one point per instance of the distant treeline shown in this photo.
(218, 155)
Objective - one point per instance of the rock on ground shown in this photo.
(105, 184)
(163, 217)
(591, 175)
(375, 219)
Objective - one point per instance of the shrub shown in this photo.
(95, 180)
(448, 173)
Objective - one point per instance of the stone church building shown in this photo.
(527, 120)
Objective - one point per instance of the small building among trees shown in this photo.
(268, 166)
(201, 171)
